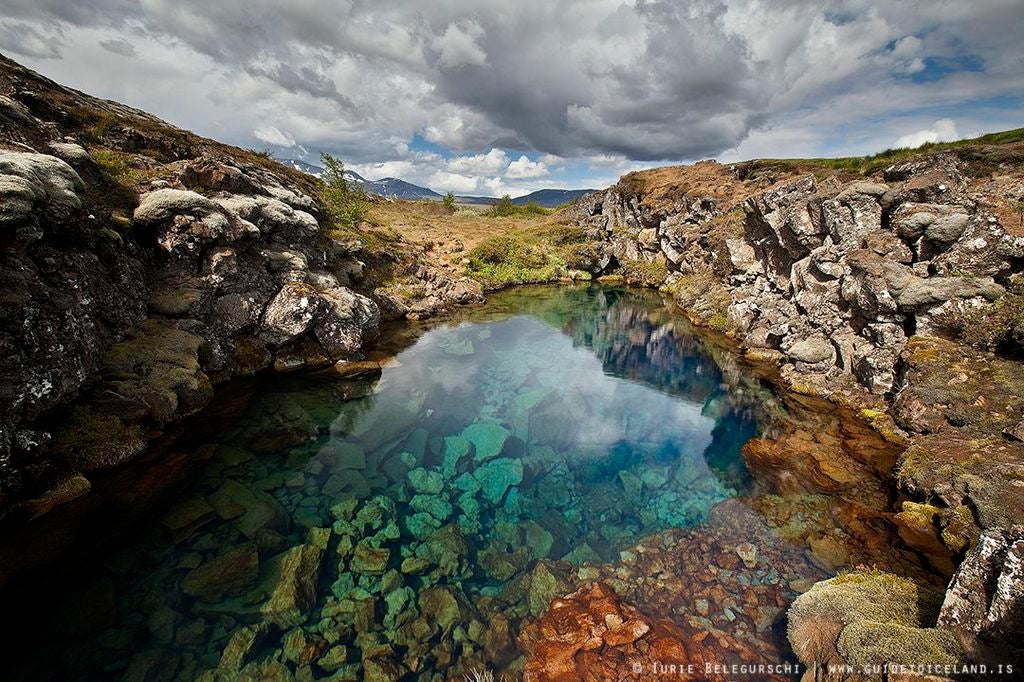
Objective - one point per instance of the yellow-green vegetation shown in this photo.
(869, 165)
(121, 176)
(514, 258)
(526, 256)
(998, 327)
(880, 618)
(960, 529)
(505, 208)
(158, 366)
(92, 440)
(449, 202)
(644, 273)
(343, 204)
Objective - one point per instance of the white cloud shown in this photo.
(522, 168)
(458, 45)
(603, 84)
(494, 161)
(443, 181)
(944, 130)
(274, 135)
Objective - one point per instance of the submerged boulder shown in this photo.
(296, 572)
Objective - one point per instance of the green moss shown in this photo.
(644, 273)
(92, 440)
(250, 356)
(997, 327)
(867, 643)
(960, 530)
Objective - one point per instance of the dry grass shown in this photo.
(448, 236)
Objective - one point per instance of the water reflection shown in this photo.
(404, 524)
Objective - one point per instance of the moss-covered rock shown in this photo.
(91, 440)
(868, 617)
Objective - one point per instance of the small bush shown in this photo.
(506, 208)
(449, 202)
(343, 204)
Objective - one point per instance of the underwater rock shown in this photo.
(341, 456)
(747, 552)
(424, 481)
(497, 476)
(440, 605)
(300, 648)
(421, 525)
(447, 550)
(294, 593)
(228, 572)
(543, 586)
(250, 510)
(455, 450)
(436, 505)
(243, 643)
(333, 658)
(488, 439)
(382, 669)
(591, 634)
(186, 517)
(369, 560)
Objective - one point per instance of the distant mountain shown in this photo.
(548, 198)
(400, 189)
(393, 187)
(301, 166)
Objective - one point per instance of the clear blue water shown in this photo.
(550, 425)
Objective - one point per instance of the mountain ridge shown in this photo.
(402, 189)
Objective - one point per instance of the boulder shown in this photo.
(33, 187)
(229, 572)
(295, 573)
(868, 618)
(497, 476)
(986, 595)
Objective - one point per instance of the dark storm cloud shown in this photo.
(652, 79)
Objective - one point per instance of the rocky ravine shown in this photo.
(143, 265)
(860, 290)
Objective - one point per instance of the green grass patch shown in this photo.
(505, 208)
(528, 256)
(869, 165)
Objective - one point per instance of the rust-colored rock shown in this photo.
(593, 635)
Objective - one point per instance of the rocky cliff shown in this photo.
(894, 291)
(142, 265)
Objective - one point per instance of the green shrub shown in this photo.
(506, 208)
(449, 202)
(343, 204)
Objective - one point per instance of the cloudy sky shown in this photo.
(498, 96)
